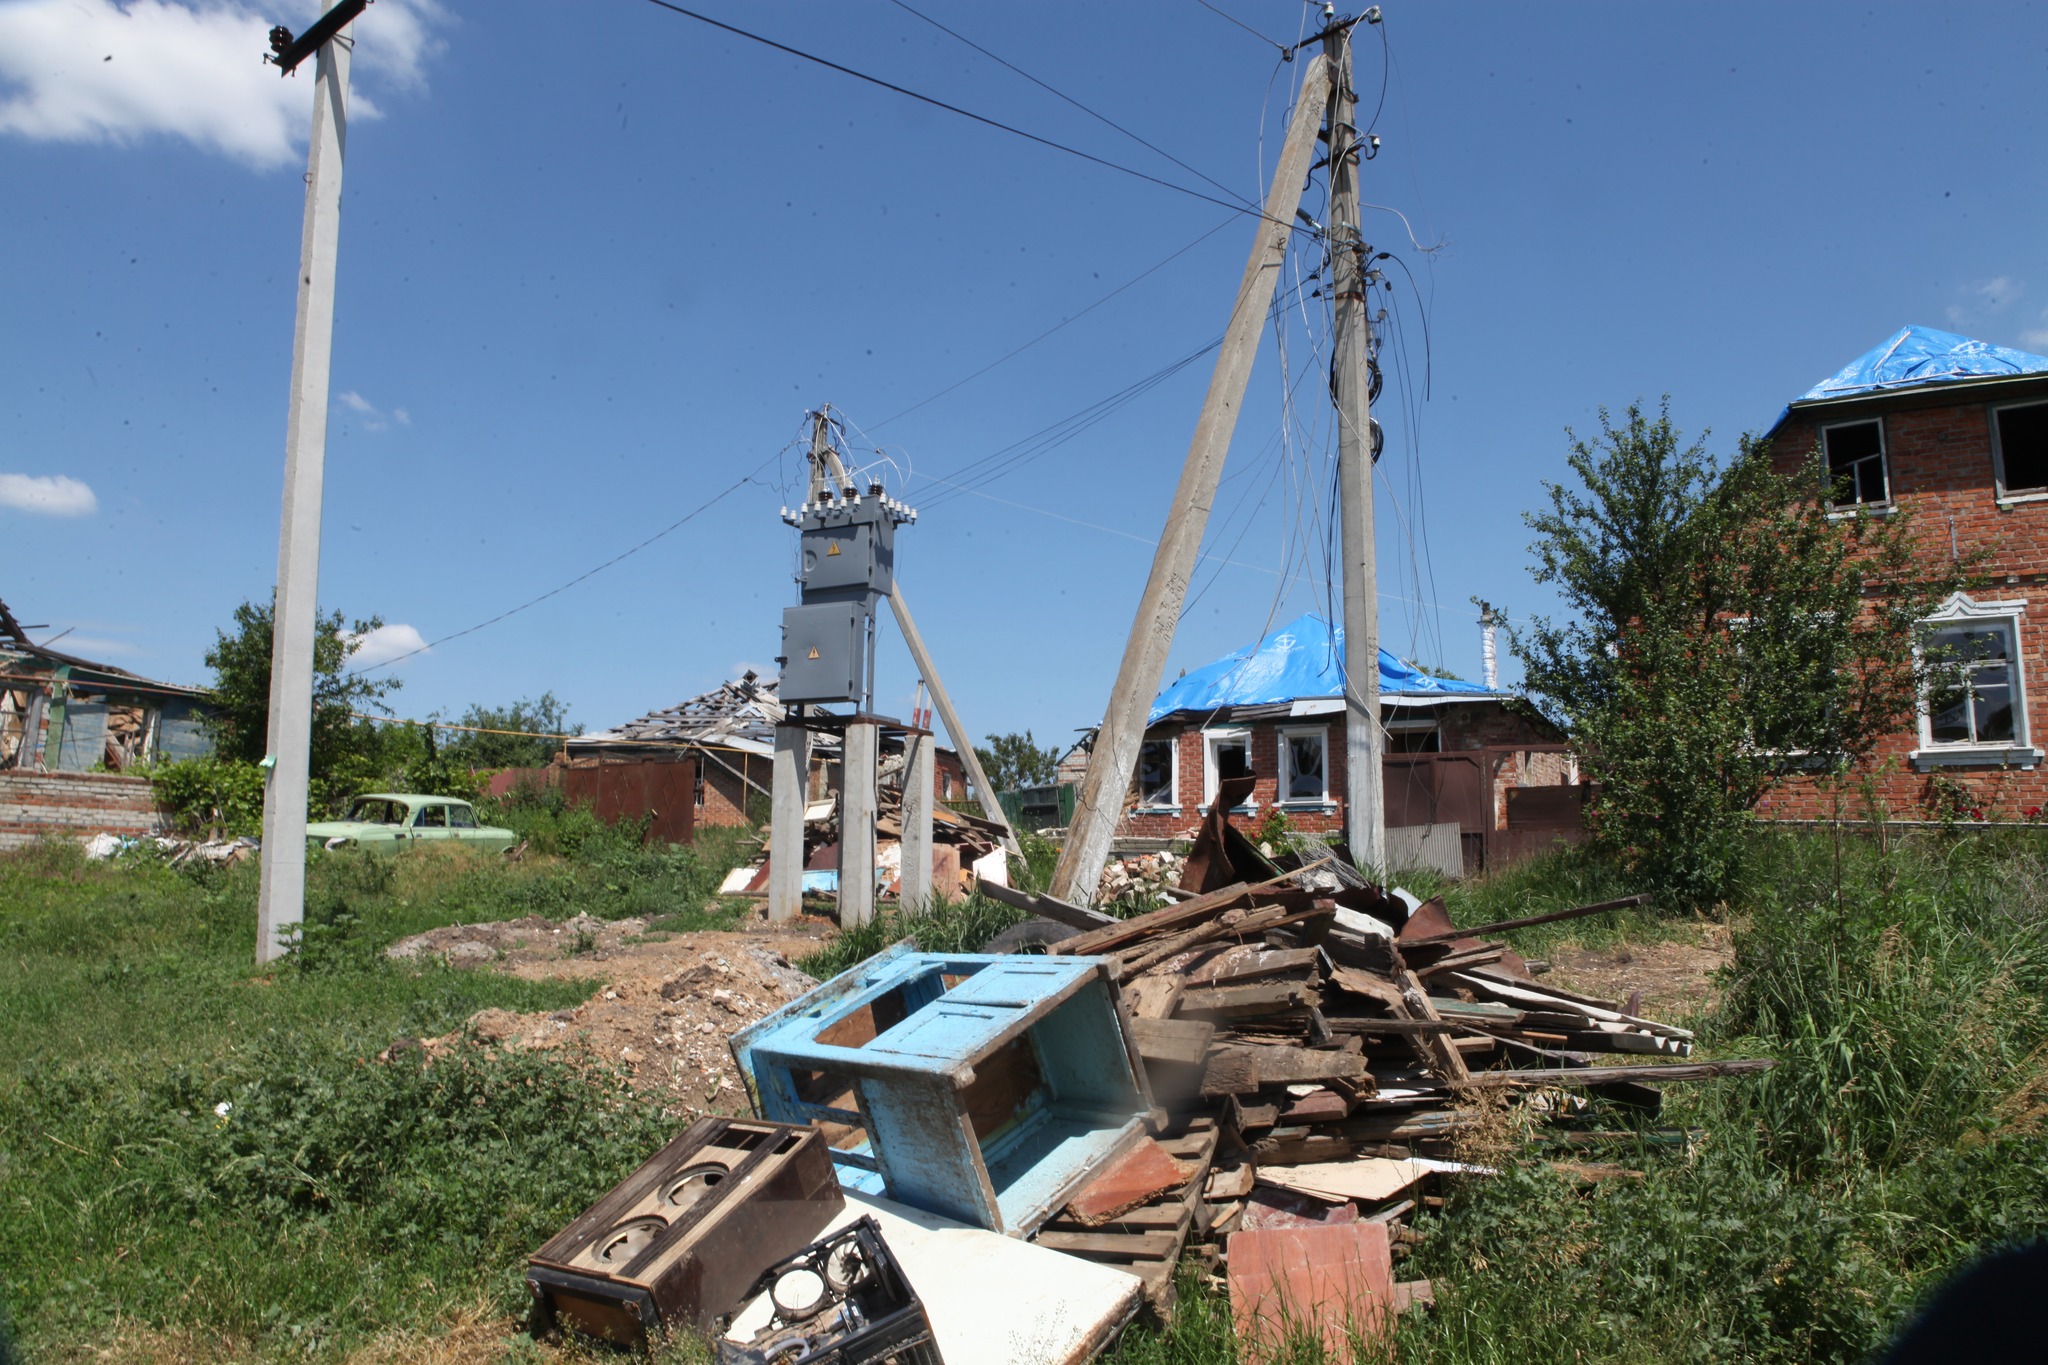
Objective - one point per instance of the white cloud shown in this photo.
(374, 417)
(49, 495)
(1984, 299)
(385, 643)
(99, 71)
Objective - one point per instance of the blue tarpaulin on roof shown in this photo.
(1922, 355)
(1303, 658)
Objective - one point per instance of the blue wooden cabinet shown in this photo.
(983, 1087)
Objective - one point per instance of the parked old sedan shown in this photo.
(384, 822)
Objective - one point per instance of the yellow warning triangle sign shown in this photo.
(814, 652)
(833, 549)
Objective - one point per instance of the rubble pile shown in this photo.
(1338, 1052)
(1149, 877)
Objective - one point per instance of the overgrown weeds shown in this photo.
(961, 926)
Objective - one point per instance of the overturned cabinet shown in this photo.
(982, 1087)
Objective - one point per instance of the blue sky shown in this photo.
(597, 260)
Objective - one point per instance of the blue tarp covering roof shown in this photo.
(1922, 355)
(1303, 658)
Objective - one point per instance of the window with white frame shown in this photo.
(1976, 697)
(1304, 765)
(1157, 764)
(2019, 449)
(1856, 465)
(1226, 754)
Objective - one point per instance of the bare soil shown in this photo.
(665, 1005)
(1676, 976)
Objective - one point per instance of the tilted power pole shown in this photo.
(1351, 362)
(281, 897)
(1115, 756)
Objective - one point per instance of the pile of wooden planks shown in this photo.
(1320, 1056)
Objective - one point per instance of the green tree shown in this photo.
(1726, 636)
(1012, 761)
(535, 719)
(239, 719)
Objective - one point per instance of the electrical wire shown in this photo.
(1225, 14)
(1097, 116)
(670, 529)
(984, 119)
(1011, 354)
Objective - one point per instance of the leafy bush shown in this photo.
(204, 794)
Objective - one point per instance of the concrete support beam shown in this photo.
(857, 823)
(916, 889)
(789, 792)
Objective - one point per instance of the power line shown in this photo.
(997, 124)
(1280, 47)
(672, 527)
(1099, 117)
(1008, 355)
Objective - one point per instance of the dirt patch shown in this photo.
(666, 1005)
(1676, 977)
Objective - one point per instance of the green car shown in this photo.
(384, 822)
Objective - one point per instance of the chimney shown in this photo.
(1489, 659)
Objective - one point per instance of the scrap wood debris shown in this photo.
(1339, 1052)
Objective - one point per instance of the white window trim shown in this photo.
(1209, 738)
(1289, 733)
(1884, 506)
(1170, 807)
(2005, 498)
(2018, 752)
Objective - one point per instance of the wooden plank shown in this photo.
(1608, 1075)
(1185, 1041)
(1228, 1002)
(1502, 926)
(1045, 907)
(1369, 987)
(1153, 997)
(1449, 1064)
(1412, 1296)
(1231, 1182)
(1231, 1071)
(1113, 1246)
(1248, 962)
(1167, 919)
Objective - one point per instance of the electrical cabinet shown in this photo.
(824, 652)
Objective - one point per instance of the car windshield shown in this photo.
(375, 811)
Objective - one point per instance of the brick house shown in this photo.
(1276, 711)
(1956, 432)
(730, 732)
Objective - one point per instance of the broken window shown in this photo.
(1856, 472)
(1302, 765)
(2019, 448)
(1156, 773)
(1229, 755)
(432, 817)
(1975, 698)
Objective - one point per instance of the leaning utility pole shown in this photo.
(1350, 367)
(1115, 755)
(281, 899)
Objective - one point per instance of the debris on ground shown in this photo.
(665, 1004)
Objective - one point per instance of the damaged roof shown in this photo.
(739, 714)
(14, 640)
(1916, 357)
(1301, 661)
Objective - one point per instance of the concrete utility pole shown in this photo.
(1115, 756)
(860, 750)
(281, 900)
(914, 872)
(963, 743)
(789, 792)
(1351, 362)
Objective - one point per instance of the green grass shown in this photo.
(336, 1196)
(1904, 992)
(1903, 989)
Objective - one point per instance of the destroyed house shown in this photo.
(1955, 432)
(63, 714)
(1456, 751)
(730, 733)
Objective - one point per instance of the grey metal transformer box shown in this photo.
(824, 651)
(849, 547)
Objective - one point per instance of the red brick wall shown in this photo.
(33, 805)
(1265, 758)
(1938, 453)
